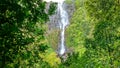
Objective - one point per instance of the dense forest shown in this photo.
(93, 35)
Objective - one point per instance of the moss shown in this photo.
(69, 1)
(53, 38)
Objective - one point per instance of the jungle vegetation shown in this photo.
(93, 33)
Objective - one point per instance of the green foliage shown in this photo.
(52, 8)
(72, 60)
(53, 38)
(22, 34)
(95, 27)
(94, 33)
(69, 1)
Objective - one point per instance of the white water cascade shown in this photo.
(63, 23)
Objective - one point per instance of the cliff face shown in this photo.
(70, 8)
(53, 25)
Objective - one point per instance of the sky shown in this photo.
(54, 0)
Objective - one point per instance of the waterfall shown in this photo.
(63, 23)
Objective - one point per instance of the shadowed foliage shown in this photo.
(22, 33)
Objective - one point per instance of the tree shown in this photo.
(22, 33)
(95, 30)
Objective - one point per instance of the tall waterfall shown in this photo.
(63, 23)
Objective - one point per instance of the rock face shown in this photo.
(70, 8)
(54, 22)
